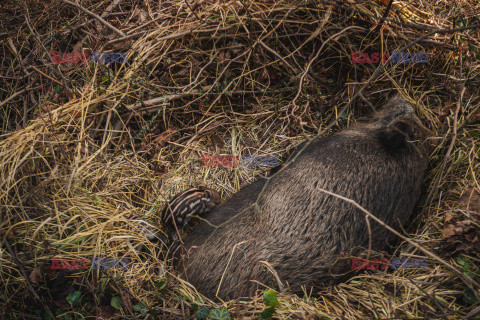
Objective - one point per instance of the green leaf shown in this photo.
(469, 297)
(464, 262)
(103, 284)
(461, 261)
(270, 298)
(267, 313)
(195, 303)
(116, 302)
(97, 201)
(58, 89)
(161, 285)
(139, 307)
(179, 298)
(219, 314)
(74, 242)
(202, 313)
(74, 297)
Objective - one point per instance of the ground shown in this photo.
(87, 144)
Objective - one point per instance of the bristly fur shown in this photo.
(395, 137)
(191, 202)
(301, 231)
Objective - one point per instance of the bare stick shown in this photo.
(108, 25)
(193, 11)
(270, 268)
(385, 15)
(467, 280)
(277, 55)
(473, 313)
(452, 143)
(315, 58)
(109, 8)
(13, 96)
(24, 275)
(154, 101)
(170, 36)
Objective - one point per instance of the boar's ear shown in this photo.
(395, 137)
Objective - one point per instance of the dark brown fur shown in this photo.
(302, 231)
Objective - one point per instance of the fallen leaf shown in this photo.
(217, 141)
(36, 275)
(471, 200)
(77, 47)
(440, 112)
(448, 231)
(162, 138)
(46, 108)
(460, 231)
(182, 72)
(159, 169)
(448, 217)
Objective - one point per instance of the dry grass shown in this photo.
(87, 146)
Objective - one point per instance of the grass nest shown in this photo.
(86, 146)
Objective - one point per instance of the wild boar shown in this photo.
(288, 223)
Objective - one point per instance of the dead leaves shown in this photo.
(163, 138)
(449, 228)
(36, 276)
(471, 199)
(461, 230)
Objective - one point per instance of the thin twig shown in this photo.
(270, 268)
(47, 76)
(25, 276)
(157, 100)
(385, 15)
(315, 58)
(473, 313)
(13, 96)
(108, 25)
(467, 280)
(450, 147)
(191, 9)
(110, 8)
(170, 36)
(129, 32)
(278, 56)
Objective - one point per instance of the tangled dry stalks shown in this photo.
(84, 147)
